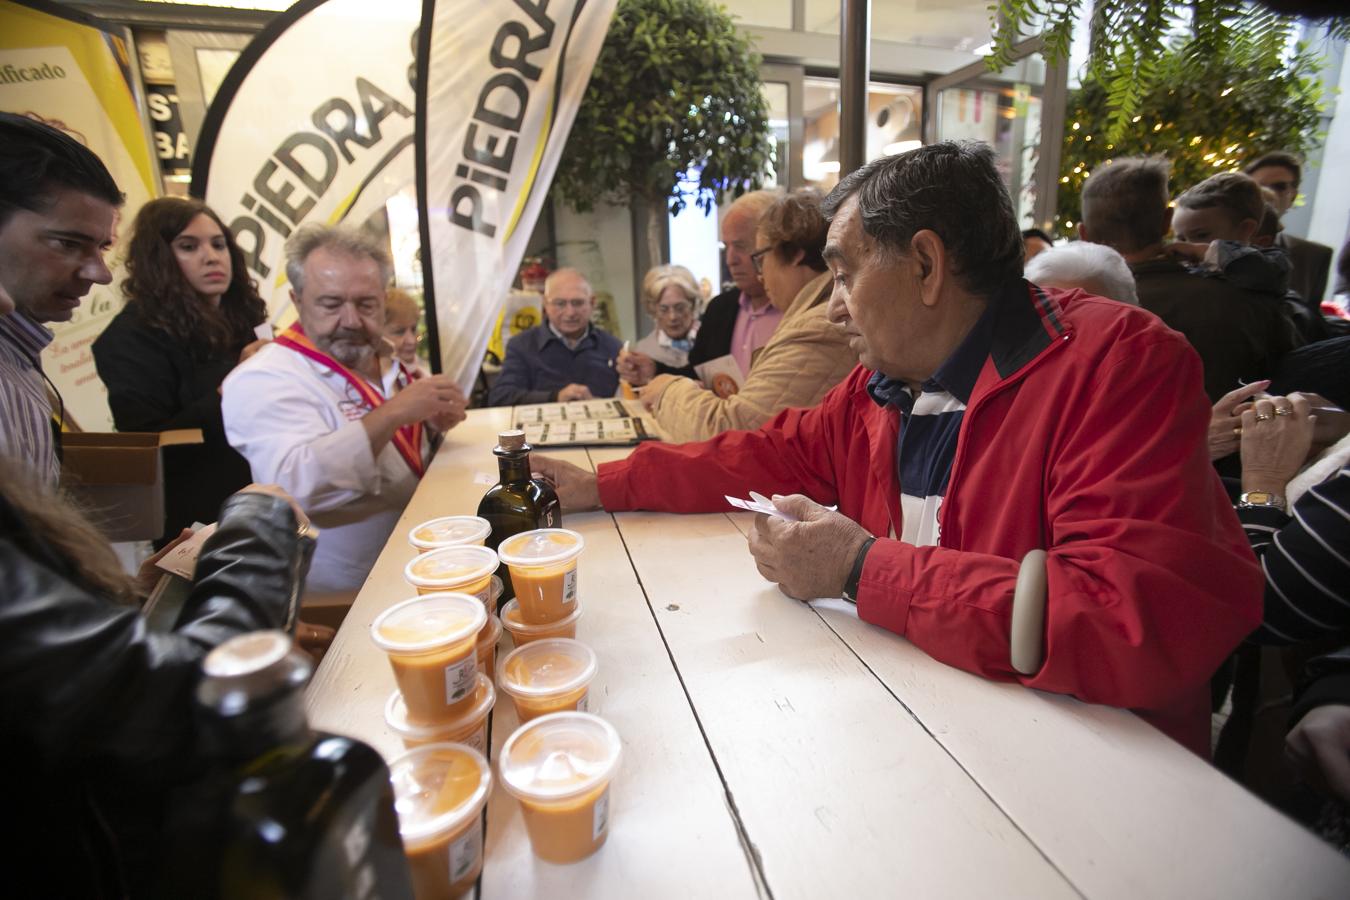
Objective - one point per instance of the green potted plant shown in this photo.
(676, 91)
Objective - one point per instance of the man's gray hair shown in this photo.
(1125, 202)
(1095, 268)
(345, 239)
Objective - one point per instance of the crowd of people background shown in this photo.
(1158, 404)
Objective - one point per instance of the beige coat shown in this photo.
(797, 367)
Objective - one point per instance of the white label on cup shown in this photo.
(601, 821)
(461, 678)
(583, 705)
(570, 588)
(464, 853)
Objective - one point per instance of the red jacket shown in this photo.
(1085, 436)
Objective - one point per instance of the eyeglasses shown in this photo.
(563, 302)
(678, 309)
(757, 258)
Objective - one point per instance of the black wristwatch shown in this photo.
(855, 575)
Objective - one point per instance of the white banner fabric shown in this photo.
(313, 124)
(504, 81)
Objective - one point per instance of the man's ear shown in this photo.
(1246, 230)
(930, 254)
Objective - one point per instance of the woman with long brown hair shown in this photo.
(189, 319)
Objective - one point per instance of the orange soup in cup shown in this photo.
(449, 531)
(560, 768)
(463, 570)
(431, 642)
(522, 632)
(439, 793)
(543, 567)
(548, 676)
(469, 729)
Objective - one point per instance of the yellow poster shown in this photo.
(77, 77)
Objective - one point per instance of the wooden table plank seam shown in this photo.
(941, 743)
(748, 847)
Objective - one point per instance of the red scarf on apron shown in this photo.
(408, 439)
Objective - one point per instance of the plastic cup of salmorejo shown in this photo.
(439, 794)
(548, 676)
(465, 570)
(560, 768)
(449, 531)
(469, 729)
(431, 641)
(543, 566)
(523, 632)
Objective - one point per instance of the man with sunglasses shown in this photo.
(564, 358)
(1281, 172)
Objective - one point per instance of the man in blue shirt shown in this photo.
(566, 357)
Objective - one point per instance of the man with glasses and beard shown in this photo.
(344, 428)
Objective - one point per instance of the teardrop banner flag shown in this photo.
(313, 123)
(499, 84)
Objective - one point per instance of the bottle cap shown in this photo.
(511, 440)
(251, 667)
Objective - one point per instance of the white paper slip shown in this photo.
(722, 375)
(182, 560)
(758, 503)
(835, 603)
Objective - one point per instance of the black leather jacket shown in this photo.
(95, 709)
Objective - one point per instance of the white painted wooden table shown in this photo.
(774, 750)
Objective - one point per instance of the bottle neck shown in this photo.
(513, 466)
(275, 722)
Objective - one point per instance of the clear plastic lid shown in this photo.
(546, 668)
(396, 714)
(449, 531)
(541, 547)
(559, 755)
(437, 788)
(451, 566)
(428, 622)
(512, 620)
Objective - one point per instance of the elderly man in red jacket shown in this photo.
(988, 418)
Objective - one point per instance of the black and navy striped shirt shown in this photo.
(929, 426)
(1306, 558)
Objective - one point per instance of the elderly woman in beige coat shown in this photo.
(801, 362)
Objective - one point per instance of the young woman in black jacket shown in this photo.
(189, 318)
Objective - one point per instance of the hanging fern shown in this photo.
(1130, 38)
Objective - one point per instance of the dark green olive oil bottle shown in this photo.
(282, 811)
(517, 502)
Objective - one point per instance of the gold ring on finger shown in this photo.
(1238, 431)
(1262, 417)
(1284, 411)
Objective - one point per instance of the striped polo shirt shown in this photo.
(25, 409)
(929, 425)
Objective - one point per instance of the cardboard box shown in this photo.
(119, 477)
